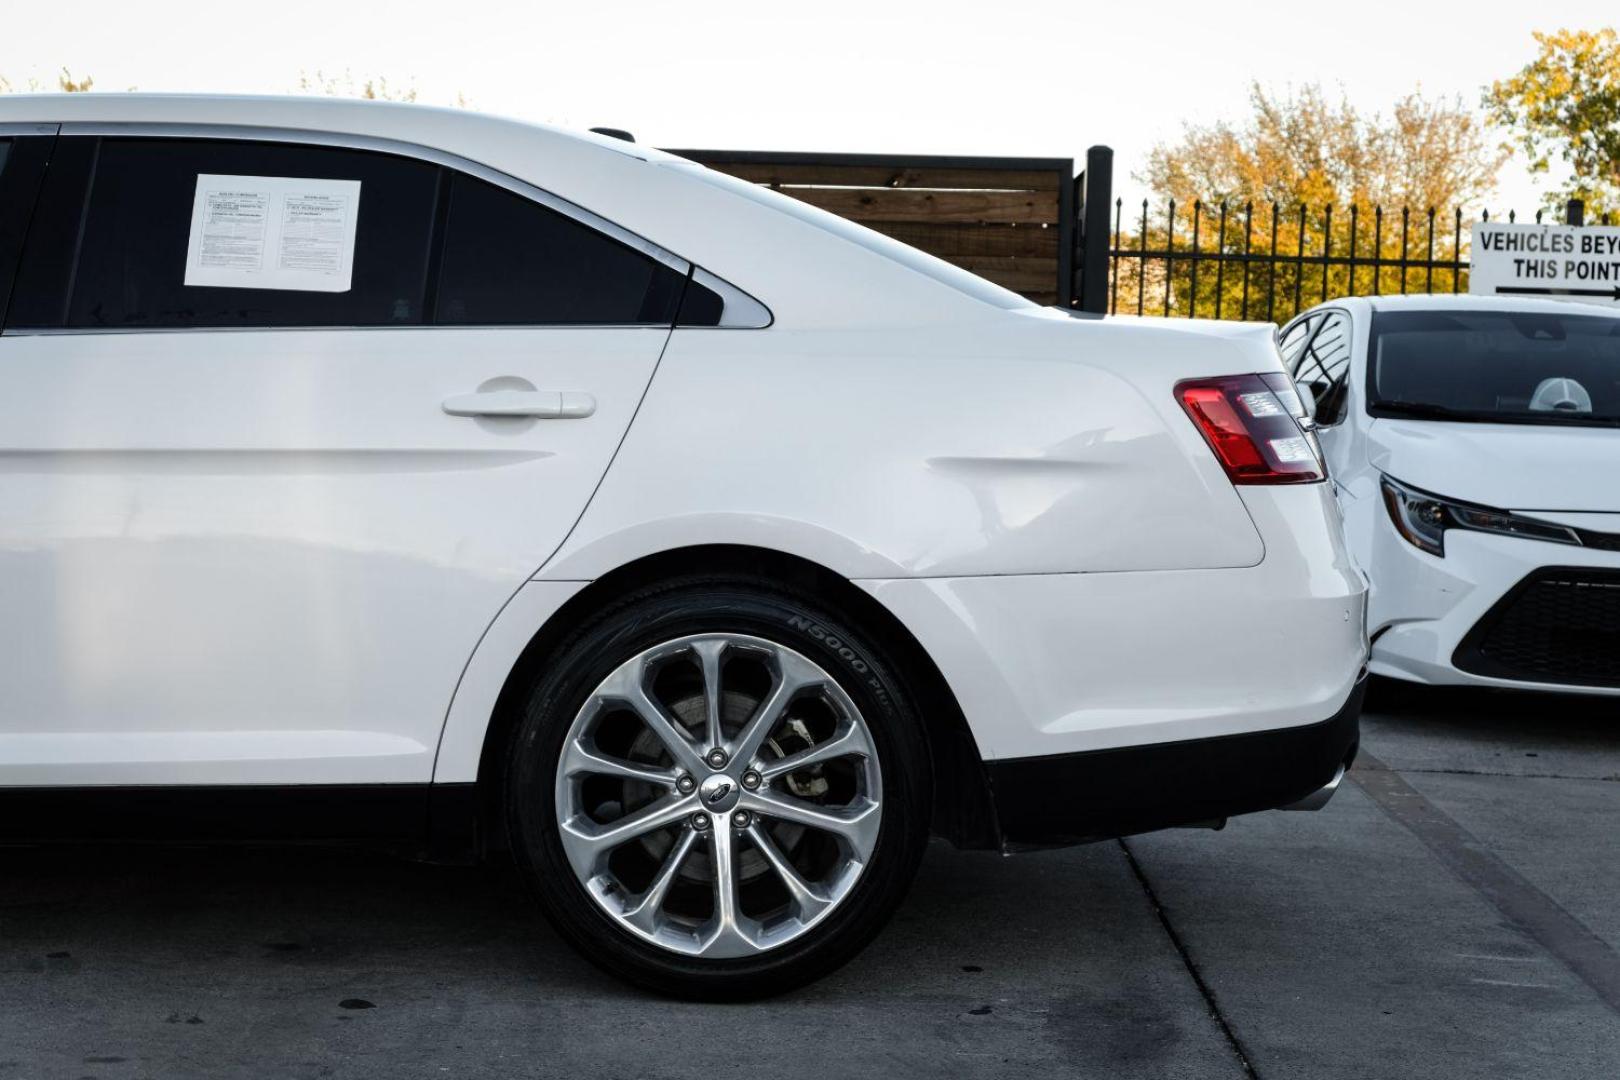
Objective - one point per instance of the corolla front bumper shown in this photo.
(1496, 611)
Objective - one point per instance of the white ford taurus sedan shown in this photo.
(1476, 444)
(411, 477)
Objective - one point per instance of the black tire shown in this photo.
(714, 604)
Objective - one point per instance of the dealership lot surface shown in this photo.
(1454, 912)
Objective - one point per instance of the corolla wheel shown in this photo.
(718, 793)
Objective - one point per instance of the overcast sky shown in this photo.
(1030, 78)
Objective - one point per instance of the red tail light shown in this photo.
(1257, 427)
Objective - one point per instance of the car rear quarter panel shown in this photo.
(1013, 445)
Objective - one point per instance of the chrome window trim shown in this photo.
(340, 140)
(9, 130)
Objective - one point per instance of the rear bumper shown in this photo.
(1101, 794)
(1050, 664)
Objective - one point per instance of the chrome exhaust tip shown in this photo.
(1318, 798)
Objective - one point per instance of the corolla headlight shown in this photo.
(1423, 519)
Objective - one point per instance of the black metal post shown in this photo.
(1355, 221)
(1141, 261)
(1456, 254)
(1248, 232)
(1575, 212)
(1327, 247)
(1299, 262)
(1271, 270)
(1428, 270)
(1378, 251)
(1096, 198)
(1113, 272)
(1169, 254)
(1192, 307)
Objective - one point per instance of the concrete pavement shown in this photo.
(1456, 915)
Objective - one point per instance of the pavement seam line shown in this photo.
(1524, 906)
(1180, 946)
(1503, 775)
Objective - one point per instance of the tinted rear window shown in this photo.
(510, 261)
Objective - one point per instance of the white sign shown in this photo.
(1558, 262)
(273, 232)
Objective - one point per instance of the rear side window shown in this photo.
(135, 198)
(508, 261)
(1291, 342)
(1320, 358)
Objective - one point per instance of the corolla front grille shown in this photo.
(1559, 625)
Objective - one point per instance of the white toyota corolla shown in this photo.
(1474, 441)
(412, 477)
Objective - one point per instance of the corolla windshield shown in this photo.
(1500, 367)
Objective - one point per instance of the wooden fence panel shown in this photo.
(1010, 220)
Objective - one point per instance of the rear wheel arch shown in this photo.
(962, 812)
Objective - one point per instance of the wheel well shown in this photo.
(962, 811)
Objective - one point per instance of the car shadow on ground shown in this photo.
(1465, 713)
(164, 951)
(324, 909)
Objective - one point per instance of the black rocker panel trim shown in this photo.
(434, 820)
(1103, 794)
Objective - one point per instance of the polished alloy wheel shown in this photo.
(718, 795)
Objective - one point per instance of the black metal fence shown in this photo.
(1259, 261)
(1373, 253)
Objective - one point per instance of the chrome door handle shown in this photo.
(529, 404)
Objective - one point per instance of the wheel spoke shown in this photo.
(645, 912)
(808, 901)
(848, 741)
(792, 676)
(709, 653)
(857, 824)
(729, 937)
(580, 760)
(596, 840)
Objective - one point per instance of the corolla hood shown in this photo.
(1505, 466)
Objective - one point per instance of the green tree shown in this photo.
(1306, 148)
(371, 88)
(1303, 174)
(1566, 103)
(65, 82)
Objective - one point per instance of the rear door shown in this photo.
(283, 426)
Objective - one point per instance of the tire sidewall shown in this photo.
(798, 623)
